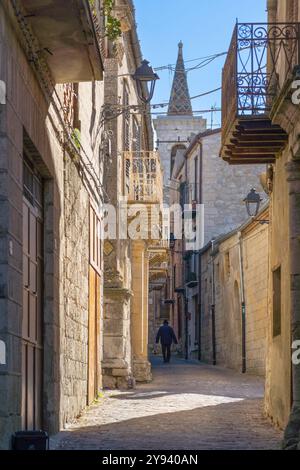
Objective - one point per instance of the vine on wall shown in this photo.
(112, 24)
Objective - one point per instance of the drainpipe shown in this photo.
(243, 303)
(186, 325)
(213, 307)
(186, 319)
(199, 256)
(199, 305)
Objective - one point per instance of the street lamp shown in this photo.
(145, 74)
(252, 202)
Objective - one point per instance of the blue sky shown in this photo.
(205, 27)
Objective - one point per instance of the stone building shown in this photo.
(74, 306)
(262, 126)
(175, 129)
(132, 176)
(203, 178)
(50, 196)
(234, 298)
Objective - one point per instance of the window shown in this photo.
(95, 240)
(277, 302)
(32, 184)
(227, 264)
(183, 194)
(136, 128)
(126, 119)
(195, 197)
(173, 154)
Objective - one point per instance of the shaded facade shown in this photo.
(203, 178)
(51, 175)
(74, 306)
(263, 127)
(234, 299)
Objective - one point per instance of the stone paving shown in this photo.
(187, 406)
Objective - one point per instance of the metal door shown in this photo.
(32, 319)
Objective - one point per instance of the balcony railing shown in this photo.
(143, 177)
(261, 58)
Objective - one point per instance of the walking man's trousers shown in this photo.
(166, 351)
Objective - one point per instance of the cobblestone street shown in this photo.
(186, 406)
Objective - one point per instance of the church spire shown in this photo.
(180, 101)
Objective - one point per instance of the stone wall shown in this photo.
(223, 187)
(173, 131)
(225, 293)
(27, 116)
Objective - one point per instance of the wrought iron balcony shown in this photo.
(260, 60)
(143, 177)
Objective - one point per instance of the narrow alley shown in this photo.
(186, 406)
(149, 203)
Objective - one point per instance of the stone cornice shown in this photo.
(117, 292)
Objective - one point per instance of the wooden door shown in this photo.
(32, 317)
(94, 307)
(94, 334)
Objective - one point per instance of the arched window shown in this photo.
(173, 153)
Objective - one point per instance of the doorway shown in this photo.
(32, 318)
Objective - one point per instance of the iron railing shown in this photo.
(143, 177)
(261, 58)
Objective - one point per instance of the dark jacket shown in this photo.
(166, 335)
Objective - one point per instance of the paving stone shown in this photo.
(187, 406)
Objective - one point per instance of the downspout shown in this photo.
(186, 326)
(213, 306)
(243, 303)
(200, 189)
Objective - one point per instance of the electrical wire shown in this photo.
(209, 59)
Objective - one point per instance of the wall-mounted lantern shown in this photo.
(252, 202)
(145, 74)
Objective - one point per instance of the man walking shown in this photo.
(166, 336)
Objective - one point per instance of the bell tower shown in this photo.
(174, 130)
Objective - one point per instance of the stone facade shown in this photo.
(174, 133)
(65, 142)
(234, 271)
(221, 187)
(203, 177)
(282, 382)
(126, 263)
(282, 397)
(33, 123)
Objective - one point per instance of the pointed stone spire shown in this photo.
(180, 102)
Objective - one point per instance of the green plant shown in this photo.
(93, 6)
(113, 25)
(76, 137)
